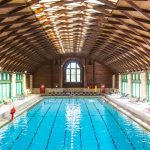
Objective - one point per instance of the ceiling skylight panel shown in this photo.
(36, 6)
(73, 12)
(114, 1)
(67, 20)
(40, 14)
(94, 2)
(92, 10)
(50, 9)
(73, 4)
(48, 1)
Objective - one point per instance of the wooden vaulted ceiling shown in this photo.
(113, 32)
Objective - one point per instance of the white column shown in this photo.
(13, 85)
(24, 84)
(129, 88)
(113, 81)
(31, 83)
(143, 84)
(119, 82)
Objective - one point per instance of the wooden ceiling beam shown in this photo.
(19, 49)
(130, 9)
(28, 32)
(129, 34)
(126, 40)
(4, 2)
(122, 48)
(18, 67)
(20, 41)
(108, 3)
(23, 61)
(16, 14)
(135, 18)
(119, 64)
(138, 22)
(27, 27)
(131, 25)
(129, 57)
(17, 38)
(136, 7)
(135, 56)
(13, 4)
(17, 22)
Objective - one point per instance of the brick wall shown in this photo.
(42, 76)
(103, 75)
(97, 74)
(51, 74)
(89, 75)
(56, 75)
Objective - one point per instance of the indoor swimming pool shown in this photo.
(73, 124)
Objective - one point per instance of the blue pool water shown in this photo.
(73, 124)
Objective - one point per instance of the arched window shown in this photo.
(73, 72)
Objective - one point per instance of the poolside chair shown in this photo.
(88, 93)
(21, 97)
(111, 92)
(91, 93)
(7, 101)
(135, 99)
(124, 96)
(143, 100)
(138, 99)
(98, 93)
(85, 93)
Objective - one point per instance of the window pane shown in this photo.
(68, 66)
(19, 88)
(4, 91)
(73, 71)
(73, 78)
(137, 76)
(73, 65)
(67, 78)
(4, 76)
(0, 76)
(8, 76)
(149, 92)
(78, 78)
(1, 92)
(78, 66)
(67, 71)
(78, 71)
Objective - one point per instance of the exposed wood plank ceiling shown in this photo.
(115, 33)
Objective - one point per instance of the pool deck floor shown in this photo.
(21, 106)
(138, 111)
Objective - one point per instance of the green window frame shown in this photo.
(148, 87)
(124, 83)
(19, 84)
(5, 86)
(136, 85)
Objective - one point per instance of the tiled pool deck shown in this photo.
(20, 105)
(138, 111)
